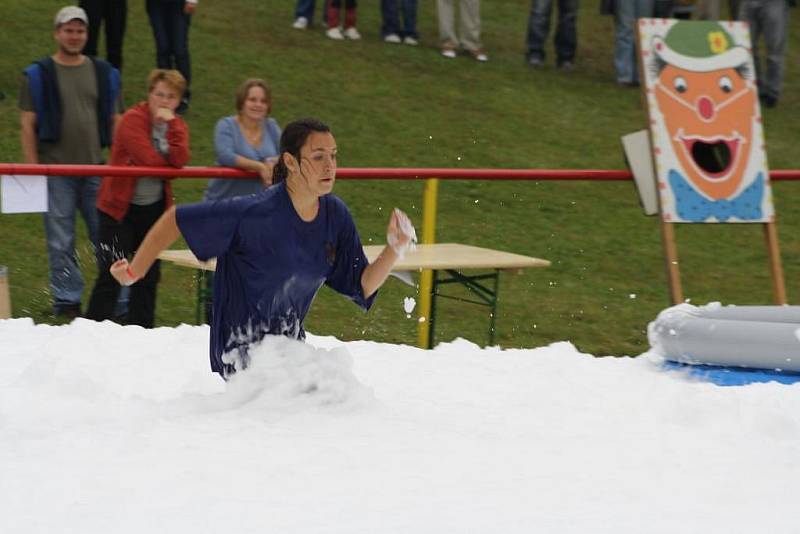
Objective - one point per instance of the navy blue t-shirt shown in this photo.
(270, 265)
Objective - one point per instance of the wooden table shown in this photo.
(446, 260)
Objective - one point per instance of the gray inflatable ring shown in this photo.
(762, 337)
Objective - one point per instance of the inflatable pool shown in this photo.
(755, 337)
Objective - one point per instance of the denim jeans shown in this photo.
(625, 60)
(566, 40)
(171, 32)
(65, 197)
(391, 10)
(769, 18)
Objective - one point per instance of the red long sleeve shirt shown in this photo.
(133, 145)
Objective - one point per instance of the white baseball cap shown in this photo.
(69, 13)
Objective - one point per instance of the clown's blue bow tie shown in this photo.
(694, 207)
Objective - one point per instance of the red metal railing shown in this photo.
(347, 173)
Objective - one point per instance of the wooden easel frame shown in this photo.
(673, 267)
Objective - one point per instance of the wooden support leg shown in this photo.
(671, 257)
(775, 265)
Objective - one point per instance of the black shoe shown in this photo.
(67, 311)
(769, 101)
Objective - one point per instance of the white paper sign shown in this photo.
(23, 194)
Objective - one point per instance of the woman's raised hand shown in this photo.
(400, 234)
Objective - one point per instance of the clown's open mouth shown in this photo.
(714, 157)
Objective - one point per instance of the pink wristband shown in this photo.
(130, 273)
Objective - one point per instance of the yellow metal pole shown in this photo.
(429, 194)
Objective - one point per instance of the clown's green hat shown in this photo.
(699, 46)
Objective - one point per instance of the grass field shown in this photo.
(398, 106)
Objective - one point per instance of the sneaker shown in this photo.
(448, 53)
(300, 23)
(566, 65)
(352, 33)
(479, 56)
(535, 62)
(411, 41)
(392, 38)
(334, 33)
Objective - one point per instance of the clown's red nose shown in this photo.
(705, 107)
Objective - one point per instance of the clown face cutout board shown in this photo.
(705, 121)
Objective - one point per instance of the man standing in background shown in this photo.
(68, 105)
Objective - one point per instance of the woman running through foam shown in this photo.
(275, 249)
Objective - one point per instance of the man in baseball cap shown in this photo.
(58, 127)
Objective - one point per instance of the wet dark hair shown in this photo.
(293, 138)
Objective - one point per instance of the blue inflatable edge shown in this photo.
(733, 376)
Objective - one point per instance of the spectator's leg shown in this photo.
(389, 12)
(116, 242)
(179, 23)
(94, 10)
(538, 28)
(157, 13)
(642, 9)
(66, 282)
(143, 293)
(624, 45)
(470, 24)
(305, 8)
(750, 12)
(116, 20)
(333, 13)
(775, 19)
(566, 36)
(445, 11)
(87, 204)
(350, 13)
(409, 8)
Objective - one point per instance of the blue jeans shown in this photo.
(625, 61)
(391, 9)
(566, 39)
(65, 197)
(171, 32)
(305, 8)
(769, 18)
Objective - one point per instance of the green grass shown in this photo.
(397, 106)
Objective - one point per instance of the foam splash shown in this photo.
(408, 305)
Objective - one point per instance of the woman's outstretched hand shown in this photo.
(400, 235)
(121, 271)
